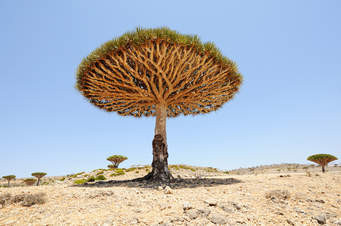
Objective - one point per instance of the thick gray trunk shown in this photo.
(160, 170)
(160, 122)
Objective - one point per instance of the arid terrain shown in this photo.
(285, 194)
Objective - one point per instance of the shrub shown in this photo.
(100, 177)
(116, 160)
(30, 181)
(111, 166)
(62, 179)
(91, 179)
(277, 195)
(24, 199)
(5, 199)
(211, 170)
(74, 175)
(81, 181)
(32, 199)
(38, 175)
(99, 173)
(9, 178)
(118, 172)
(131, 169)
(322, 159)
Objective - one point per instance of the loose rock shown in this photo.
(321, 219)
(216, 218)
(168, 190)
(187, 206)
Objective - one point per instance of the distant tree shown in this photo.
(30, 181)
(38, 175)
(161, 73)
(9, 178)
(116, 160)
(322, 159)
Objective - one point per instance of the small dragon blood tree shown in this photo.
(116, 160)
(322, 159)
(38, 175)
(9, 178)
(161, 73)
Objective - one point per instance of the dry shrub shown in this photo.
(23, 199)
(30, 181)
(5, 199)
(32, 199)
(277, 195)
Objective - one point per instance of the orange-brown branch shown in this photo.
(135, 79)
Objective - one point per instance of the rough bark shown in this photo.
(323, 169)
(160, 122)
(38, 181)
(160, 171)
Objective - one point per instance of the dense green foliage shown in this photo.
(9, 177)
(140, 36)
(91, 179)
(100, 177)
(318, 157)
(116, 158)
(39, 174)
(80, 181)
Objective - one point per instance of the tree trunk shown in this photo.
(160, 170)
(323, 169)
(8, 183)
(38, 181)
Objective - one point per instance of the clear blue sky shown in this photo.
(289, 105)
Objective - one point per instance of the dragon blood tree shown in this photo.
(116, 160)
(9, 178)
(38, 175)
(322, 159)
(161, 73)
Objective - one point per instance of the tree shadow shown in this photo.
(177, 183)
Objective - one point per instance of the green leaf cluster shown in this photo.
(140, 36)
(80, 181)
(100, 177)
(115, 158)
(9, 177)
(318, 157)
(39, 174)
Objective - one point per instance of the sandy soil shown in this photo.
(263, 199)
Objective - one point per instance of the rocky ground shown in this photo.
(200, 196)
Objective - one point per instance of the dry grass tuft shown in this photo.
(24, 199)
